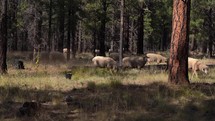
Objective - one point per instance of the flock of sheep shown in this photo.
(139, 62)
(128, 61)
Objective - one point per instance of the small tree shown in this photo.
(178, 63)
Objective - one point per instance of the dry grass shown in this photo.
(101, 94)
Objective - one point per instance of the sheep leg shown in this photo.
(196, 74)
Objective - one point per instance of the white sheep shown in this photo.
(65, 50)
(195, 65)
(134, 62)
(101, 61)
(152, 57)
(97, 51)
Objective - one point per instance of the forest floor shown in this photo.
(96, 94)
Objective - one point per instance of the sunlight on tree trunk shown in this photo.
(178, 63)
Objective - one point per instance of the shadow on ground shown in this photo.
(114, 102)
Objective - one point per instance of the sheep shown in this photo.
(134, 62)
(65, 50)
(100, 61)
(114, 55)
(97, 51)
(152, 57)
(195, 65)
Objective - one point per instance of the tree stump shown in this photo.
(20, 64)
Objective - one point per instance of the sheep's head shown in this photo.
(112, 64)
(204, 68)
(164, 60)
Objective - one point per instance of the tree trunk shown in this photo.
(132, 43)
(211, 33)
(74, 48)
(80, 41)
(126, 33)
(3, 37)
(140, 35)
(61, 20)
(164, 39)
(112, 36)
(23, 38)
(102, 32)
(193, 45)
(178, 63)
(121, 32)
(94, 42)
(73, 31)
(204, 47)
(69, 30)
(50, 26)
(39, 27)
(14, 25)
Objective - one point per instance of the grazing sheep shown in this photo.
(196, 65)
(65, 50)
(152, 57)
(114, 55)
(134, 62)
(103, 62)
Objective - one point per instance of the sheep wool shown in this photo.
(100, 61)
(152, 57)
(195, 65)
(134, 62)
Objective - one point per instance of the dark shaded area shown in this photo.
(68, 75)
(19, 64)
(115, 101)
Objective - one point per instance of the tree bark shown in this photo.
(121, 32)
(69, 30)
(80, 40)
(178, 63)
(23, 38)
(73, 31)
(3, 38)
(211, 33)
(140, 35)
(102, 32)
(14, 25)
(126, 33)
(94, 42)
(204, 47)
(61, 20)
(164, 39)
(50, 26)
(193, 45)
